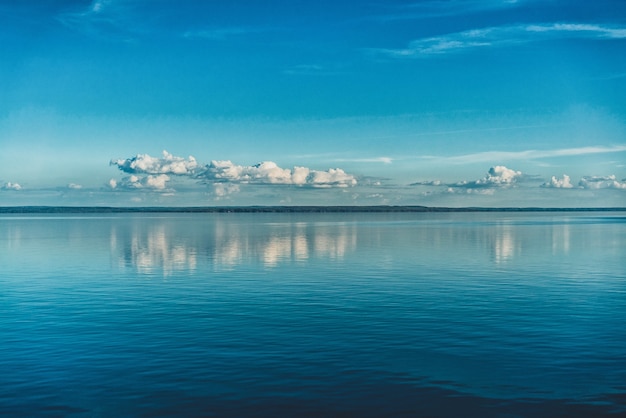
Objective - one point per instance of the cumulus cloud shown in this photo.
(601, 182)
(269, 172)
(168, 164)
(150, 182)
(11, 186)
(74, 186)
(563, 183)
(221, 171)
(496, 176)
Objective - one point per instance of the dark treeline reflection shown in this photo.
(182, 242)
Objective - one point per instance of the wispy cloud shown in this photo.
(580, 29)
(530, 154)
(499, 36)
(111, 19)
(131, 19)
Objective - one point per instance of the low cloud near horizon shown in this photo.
(501, 176)
(157, 173)
(11, 186)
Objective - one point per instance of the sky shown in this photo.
(494, 103)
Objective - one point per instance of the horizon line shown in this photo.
(29, 209)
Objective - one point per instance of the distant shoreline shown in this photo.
(285, 209)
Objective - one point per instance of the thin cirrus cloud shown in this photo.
(158, 171)
(97, 15)
(531, 154)
(498, 36)
(127, 19)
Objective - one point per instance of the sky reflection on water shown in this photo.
(182, 242)
(491, 310)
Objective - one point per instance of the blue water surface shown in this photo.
(419, 314)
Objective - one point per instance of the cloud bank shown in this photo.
(159, 170)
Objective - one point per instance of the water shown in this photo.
(449, 314)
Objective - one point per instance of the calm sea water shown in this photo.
(450, 314)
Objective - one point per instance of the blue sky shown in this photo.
(437, 103)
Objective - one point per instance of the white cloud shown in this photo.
(223, 190)
(496, 176)
(221, 171)
(587, 30)
(564, 183)
(150, 182)
(169, 164)
(532, 154)
(74, 186)
(427, 183)
(269, 172)
(503, 36)
(11, 186)
(501, 175)
(601, 182)
(97, 5)
(100, 17)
